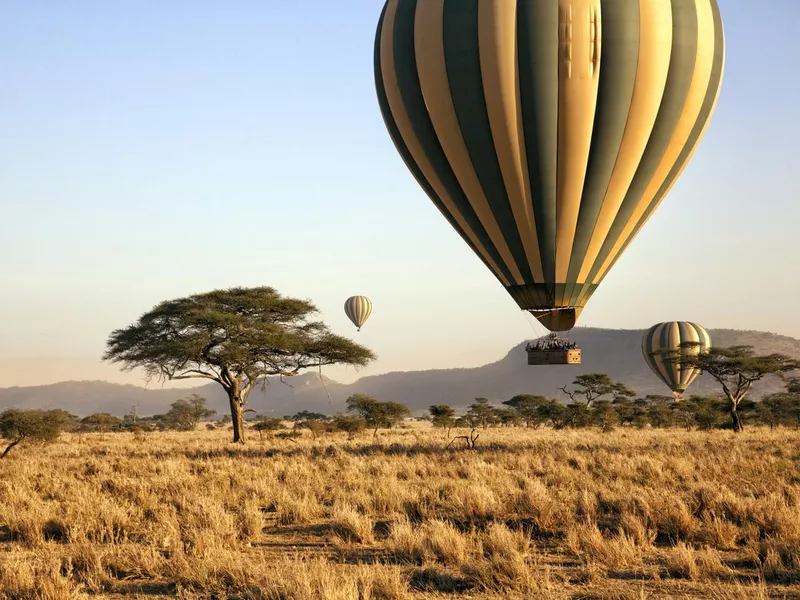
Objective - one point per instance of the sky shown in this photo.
(151, 150)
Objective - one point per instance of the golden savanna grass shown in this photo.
(527, 514)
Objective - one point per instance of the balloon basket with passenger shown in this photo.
(553, 350)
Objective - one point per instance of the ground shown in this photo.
(526, 514)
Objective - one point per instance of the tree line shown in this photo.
(595, 401)
(240, 337)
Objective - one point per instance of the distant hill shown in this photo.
(613, 351)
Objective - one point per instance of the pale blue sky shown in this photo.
(152, 149)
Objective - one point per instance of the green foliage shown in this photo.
(736, 369)
(574, 415)
(349, 423)
(780, 409)
(268, 424)
(507, 417)
(632, 413)
(481, 413)
(605, 415)
(659, 411)
(377, 414)
(705, 412)
(307, 415)
(535, 411)
(186, 414)
(315, 426)
(235, 337)
(101, 422)
(442, 416)
(263, 423)
(696, 412)
(33, 425)
(593, 386)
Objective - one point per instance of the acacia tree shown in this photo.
(263, 424)
(534, 410)
(444, 416)
(593, 386)
(100, 422)
(375, 413)
(735, 369)
(184, 414)
(36, 425)
(482, 413)
(236, 337)
(604, 415)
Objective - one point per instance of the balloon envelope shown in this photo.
(548, 131)
(660, 343)
(358, 310)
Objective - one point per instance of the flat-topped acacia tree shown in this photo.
(236, 337)
(736, 369)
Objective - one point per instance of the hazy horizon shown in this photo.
(46, 370)
(129, 135)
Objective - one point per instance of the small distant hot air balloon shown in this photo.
(547, 132)
(358, 309)
(660, 344)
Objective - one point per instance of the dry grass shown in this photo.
(528, 514)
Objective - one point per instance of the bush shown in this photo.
(33, 425)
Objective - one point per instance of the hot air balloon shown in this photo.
(547, 132)
(661, 343)
(358, 309)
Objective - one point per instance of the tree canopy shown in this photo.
(100, 422)
(736, 369)
(534, 410)
(481, 413)
(443, 416)
(37, 425)
(235, 337)
(375, 413)
(593, 386)
(185, 413)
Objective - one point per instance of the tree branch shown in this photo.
(196, 374)
(568, 393)
(11, 445)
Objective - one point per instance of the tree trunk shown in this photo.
(738, 427)
(237, 415)
(10, 446)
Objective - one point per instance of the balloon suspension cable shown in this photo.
(542, 332)
(539, 330)
(322, 381)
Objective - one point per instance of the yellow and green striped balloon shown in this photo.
(358, 309)
(662, 341)
(547, 132)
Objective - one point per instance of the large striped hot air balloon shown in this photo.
(661, 343)
(548, 131)
(358, 310)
